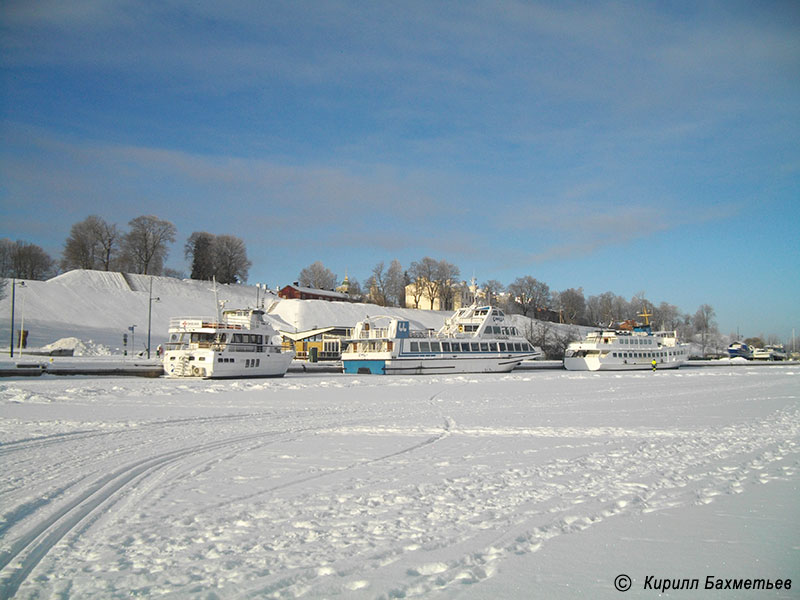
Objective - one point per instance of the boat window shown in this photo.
(258, 362)
(435, 347)
(445, 346)
(502, 347)
(473, 347)
(424, 347)
(414, 346)
(484, 347)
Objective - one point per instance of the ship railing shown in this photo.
(373, 333)
(187, 323)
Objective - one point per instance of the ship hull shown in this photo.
(218, 365)
(600, 364)
(364, 364)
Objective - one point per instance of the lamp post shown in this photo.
(22, 318)
(14, 284)
(150, 314)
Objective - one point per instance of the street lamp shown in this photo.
(150, 314)
(14, 284)
(21, 318)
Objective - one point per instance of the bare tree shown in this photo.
(25, 261)
(447, 273)
(705, 324)
(529, 294)
(493, 289)
(395, 284)
(81, 249)
(317, 276)
(145, 245)
(108, 236)
(354, 290)
(6, 257)
(377, 285)
(415, 276)
(572, 305)
(428, 270)
(231, 264)
(603, 309)
(666, 316)
(92, 244)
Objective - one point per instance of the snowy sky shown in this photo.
(619, 147)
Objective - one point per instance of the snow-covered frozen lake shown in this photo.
(542, 484)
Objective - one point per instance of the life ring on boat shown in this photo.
(195, 371)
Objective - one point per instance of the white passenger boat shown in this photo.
(474, 340)
(622, 350)
(240, 343)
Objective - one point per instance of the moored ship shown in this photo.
(614, 350)
(239, 343)
(632, 346)
(476, 339)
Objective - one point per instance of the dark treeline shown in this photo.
(142, 248)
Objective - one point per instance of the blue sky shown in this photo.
(623, 146)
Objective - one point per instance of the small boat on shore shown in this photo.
(740, 350)
(476, 339)
(239, 343)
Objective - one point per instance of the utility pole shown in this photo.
(150, 314)
(14, 284)
(13, 294)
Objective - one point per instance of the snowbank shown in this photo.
(78, 347)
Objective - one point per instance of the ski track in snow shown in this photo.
(360, 487)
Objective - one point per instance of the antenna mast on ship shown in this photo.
(646, 315)
(217, 303)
